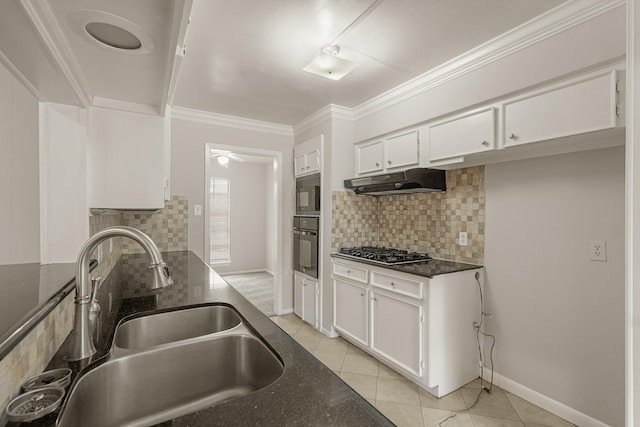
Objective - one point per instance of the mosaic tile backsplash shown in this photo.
(424, 222)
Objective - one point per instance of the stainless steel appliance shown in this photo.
(305, 244)
(308, 195)
(416, 180)
(385, 255)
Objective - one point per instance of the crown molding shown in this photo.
(331, 111)
(178, 32)
(205, 117)
(51, 35)
(547, 25)
(21, 77)
(132, 107)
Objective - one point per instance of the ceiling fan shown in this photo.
(223, 157)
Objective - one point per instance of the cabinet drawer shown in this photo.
(403, 286)
(350, 272)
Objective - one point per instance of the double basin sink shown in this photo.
(165, 365)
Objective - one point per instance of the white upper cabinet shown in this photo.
(396, 152)
(307, 156)
(578, 106)
(470, 133)
(126, 168)
(370, 157)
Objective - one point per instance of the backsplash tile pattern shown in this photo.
(33, 353)
(109, 258)
(424, 222)
(168, 227)
(354, 219)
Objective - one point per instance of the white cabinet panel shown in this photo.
(370, 157)
(401, 285)
(297, 295)
(309, 301)
(350, 271)
(350, 310)
(470, 134)
(584, 106)
(126, 160)
(312, 160)
(402, 150)
(396, 331)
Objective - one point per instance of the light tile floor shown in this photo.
(405, 403)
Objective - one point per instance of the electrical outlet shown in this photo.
(99, 254)
(462, 238)
(110, 301)
(598, 250)
(197, 210)
(111, 245)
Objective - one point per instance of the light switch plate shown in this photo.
(462, 238)
(197, 210)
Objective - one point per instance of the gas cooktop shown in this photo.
(385, 255)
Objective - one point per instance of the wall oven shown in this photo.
(308, 195)
(305, 245)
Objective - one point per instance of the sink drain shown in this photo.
(34, 404)
(54, 378)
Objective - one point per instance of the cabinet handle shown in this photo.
(389, 161)
(375, 299)
(485, 143)
(377, 164)
(393, 285)
(512, 136)
(361, 294)
(348, 271)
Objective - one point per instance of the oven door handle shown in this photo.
(305, 233)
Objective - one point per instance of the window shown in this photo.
(219, 237)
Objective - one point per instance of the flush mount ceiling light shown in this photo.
(111, 32)
(223, 161)
(328, 64)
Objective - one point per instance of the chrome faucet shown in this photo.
(82, 345)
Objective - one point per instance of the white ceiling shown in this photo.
(245, 58)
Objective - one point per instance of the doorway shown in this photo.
(243, 221)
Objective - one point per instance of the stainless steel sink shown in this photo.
(142, 388)
(162, 328)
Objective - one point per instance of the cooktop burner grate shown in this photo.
(385, 255)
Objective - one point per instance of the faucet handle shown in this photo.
(96, 282)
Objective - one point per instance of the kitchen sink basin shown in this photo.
(177, 325)
(158, 384)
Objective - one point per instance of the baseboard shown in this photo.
(286, 311)
(545, 402)
(270, 272)
(330, 333)
(231, 273)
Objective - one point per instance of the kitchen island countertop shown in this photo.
(308, 393)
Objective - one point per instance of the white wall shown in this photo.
(270, 215)
(558, 316)
(188, 141)
(248, 212)
(19, 176)
(63, 177)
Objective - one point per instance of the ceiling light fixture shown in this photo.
(223, 161)
(328, 64)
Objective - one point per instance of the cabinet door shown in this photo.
(350, 310)
(312, 160)
(300, 165)
(584, 106)
(473, 133)
(402, 150)
(309, 293)
(396, 331)
(297, 295)
(369, 157)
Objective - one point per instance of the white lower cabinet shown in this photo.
(396, 331)
(350, 310)
(421, 327)
(305, 303)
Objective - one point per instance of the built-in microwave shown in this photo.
(308, 195)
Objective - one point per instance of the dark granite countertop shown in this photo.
(431, 268)
(28, 292)
(308, 393)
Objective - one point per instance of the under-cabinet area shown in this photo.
(423, 327)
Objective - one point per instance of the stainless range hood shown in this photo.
(417, 180)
